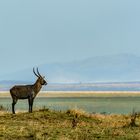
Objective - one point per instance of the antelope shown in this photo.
(27, 91)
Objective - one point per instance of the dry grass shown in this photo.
(70, 125)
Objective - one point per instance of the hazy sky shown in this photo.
(44, 31)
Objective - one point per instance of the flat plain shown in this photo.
(81, 94)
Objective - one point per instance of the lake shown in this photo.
(117, 105)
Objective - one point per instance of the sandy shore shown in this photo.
(81, 94)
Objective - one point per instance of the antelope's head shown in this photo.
(41, 79)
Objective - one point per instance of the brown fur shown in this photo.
(27, 91)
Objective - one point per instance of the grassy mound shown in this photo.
(70, 125)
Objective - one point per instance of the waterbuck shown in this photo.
(27, 91)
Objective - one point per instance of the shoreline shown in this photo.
(81, 94)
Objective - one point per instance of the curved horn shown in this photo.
(38, 72)
(35, 73)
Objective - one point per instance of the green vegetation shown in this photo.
(45, 124)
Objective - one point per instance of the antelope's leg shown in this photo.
(13, 105)
(29, 101)
(32, 100)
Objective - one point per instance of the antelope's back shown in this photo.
(21, 91)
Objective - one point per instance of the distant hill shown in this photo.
(119, 68)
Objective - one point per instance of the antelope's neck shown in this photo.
(37, 87)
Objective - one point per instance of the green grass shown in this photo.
(45, 124)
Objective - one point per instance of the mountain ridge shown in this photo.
(112, 68)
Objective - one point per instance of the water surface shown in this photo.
(118, 105)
